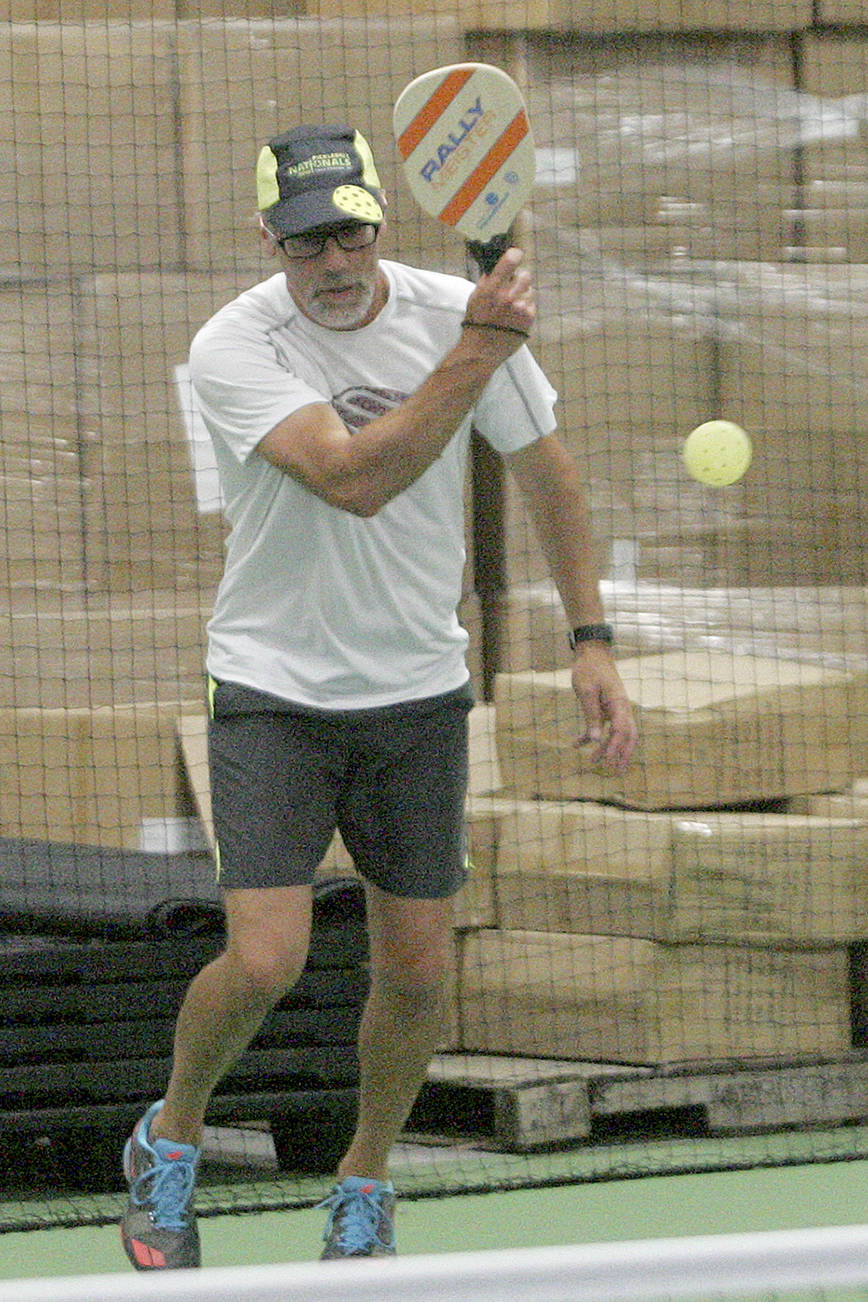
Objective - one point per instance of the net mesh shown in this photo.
(661, 972)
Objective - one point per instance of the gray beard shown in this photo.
(338, 317)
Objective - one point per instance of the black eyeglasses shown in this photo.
(351, 237)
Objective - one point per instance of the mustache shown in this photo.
(334, 280)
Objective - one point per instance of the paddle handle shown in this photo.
(487, 255)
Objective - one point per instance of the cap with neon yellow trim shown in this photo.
(317, 176)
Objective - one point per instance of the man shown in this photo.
(339, 396)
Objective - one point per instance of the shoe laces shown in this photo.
(357, 1213)
(168, 1187)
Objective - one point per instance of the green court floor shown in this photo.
(834, 1193)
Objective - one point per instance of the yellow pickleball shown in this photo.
(717, 452)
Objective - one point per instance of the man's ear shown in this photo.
(268, 237)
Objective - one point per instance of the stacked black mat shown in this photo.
(96, 949)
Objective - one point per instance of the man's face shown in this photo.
(338, 287)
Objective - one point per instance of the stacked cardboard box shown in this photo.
(717, 729)
(715, 123)
(795, 375)
(341, 69)
(671, 174)
(125, 197)
(91, 180)
(142, 520)
(87, 11)
(667, 147)
(72, 653)
(843, 13)
(809, 623)
(632, 369)
(612, 999)
(91, 777)
(602, 17)
(727, 878)
(634, 931)
(835, 73)
(779, 349)
(128, 178)
(40, 472)
(852, 803)
(598, 17)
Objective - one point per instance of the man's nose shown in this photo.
(332, 253)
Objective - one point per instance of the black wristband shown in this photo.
(485, 325)
(591, 633)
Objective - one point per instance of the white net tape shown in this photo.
(726, 1265)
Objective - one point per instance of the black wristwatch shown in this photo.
(590, 633)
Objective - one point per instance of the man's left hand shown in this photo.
(610, 725)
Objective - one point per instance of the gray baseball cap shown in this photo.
(317, 176)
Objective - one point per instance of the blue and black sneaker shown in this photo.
(159, 1226)
(361, 1219)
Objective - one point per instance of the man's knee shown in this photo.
(269, 973)
(411, 941)
(268, 934)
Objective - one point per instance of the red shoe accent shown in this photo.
(148, 1258)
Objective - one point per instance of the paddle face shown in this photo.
(468, 152)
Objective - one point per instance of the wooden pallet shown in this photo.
(520, 1104)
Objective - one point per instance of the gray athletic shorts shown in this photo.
(392, 779)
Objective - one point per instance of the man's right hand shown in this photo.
(502, 308)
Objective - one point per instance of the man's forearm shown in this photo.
(555, 495)
(361, 472)
(553, 488)
(396, 448)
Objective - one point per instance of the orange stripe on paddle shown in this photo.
(432, 109)
(485, 169)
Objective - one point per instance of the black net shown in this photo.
(659, 971)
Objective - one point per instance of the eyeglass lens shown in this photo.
(354, 236)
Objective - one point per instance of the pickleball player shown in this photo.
(340, 394)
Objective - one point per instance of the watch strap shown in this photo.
(590, 633)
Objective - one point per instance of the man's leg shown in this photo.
(410, 961)
(268, 932)
(402, 819)
(403, 1019)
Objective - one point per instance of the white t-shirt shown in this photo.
(316, 605)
